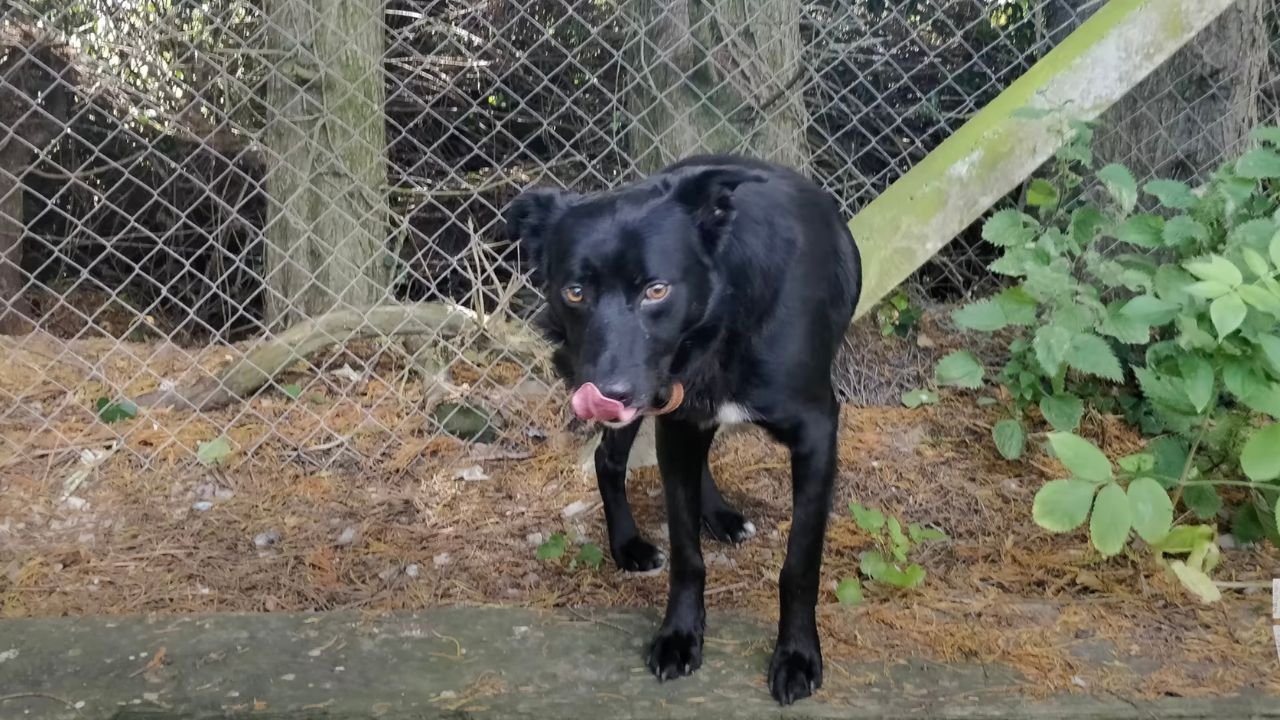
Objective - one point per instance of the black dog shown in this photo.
(733, 280)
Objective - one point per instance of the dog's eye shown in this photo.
(657, 291)
(572, 294)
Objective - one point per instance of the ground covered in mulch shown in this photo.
(347, 497)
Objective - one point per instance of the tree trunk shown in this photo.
(1197, 109)
(326, 140)
(717, 76)
(14, 311)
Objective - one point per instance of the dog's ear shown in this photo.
(707, 193)
(530, 215)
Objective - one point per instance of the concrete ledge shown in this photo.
(480, 663)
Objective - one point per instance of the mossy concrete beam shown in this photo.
(999, 147)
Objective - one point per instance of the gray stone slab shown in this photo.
(479, 663)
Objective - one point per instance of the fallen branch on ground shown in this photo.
(264, 362)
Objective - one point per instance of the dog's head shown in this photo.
(628, 275)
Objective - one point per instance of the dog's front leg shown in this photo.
(682, 450)
(630, 551)
(796, 669)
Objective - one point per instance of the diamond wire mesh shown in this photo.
(181, 181)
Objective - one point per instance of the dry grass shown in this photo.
(357, 455)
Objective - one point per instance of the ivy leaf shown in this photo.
(1111, 520)
(916, 398)
(1152, 509)
(1042, 193)
(1010, 438)
(1052, 343)
(1009, 228)
(849, 592)
(1091, 354)
(1217, 269)
(1260, 456)
(1197, 380)
(1259, 164)
(871, 521)
(1227, 313)
(552, 548)
(1062, 505)
(1062, 411)
(1120, 183)
(1081, 457)
(1150, 310)
(959, 368)
(1171, 193)
(590, 555)
(1142, 230)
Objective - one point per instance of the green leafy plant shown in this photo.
(1159, 302)
(898, 315)
(557, 546)
(888, 562)
(110, 412)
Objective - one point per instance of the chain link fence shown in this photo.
(200, 201)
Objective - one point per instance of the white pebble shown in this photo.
(347, 537)
(202, 506)
(411, 570)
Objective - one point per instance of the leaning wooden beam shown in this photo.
(999, 147)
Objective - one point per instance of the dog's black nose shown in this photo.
(620, 391)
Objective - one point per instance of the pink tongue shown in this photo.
(589, 404)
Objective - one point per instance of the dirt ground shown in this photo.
(347, 498)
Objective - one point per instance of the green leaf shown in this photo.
(1260, 298)
(1137, 463)
(916, 398)
(1270, 346)
(1063, 411)
(1081, 457)
(293, 390)
(1161, 391)
(1150, 310)
(869, 520)
(912, 576)
(983, 316)
(1197, 380)
(1052, 343)
(1171, 193)
(897, 540)
(1259, 164)
(1217, 269)
(1180, 228)
(109, 412)
(1227, 313)
(1268, 134)
(552, 548)
(1185, 539)
(959, 368)
(1152, 509)
(1203, 500)
(1085, 222)
(1120, 183)
(1208, 289)
(1010, 438)
(1092, 354)
(1009, 228)
(1171, 282)
(1042, 194)
(1246, 524)
(849, 592)
(1018, 305)
(1255, 262)
(1111, 520)
(1062, 505)
(590, 555)
(921, 534)
(1196, 582)
(213, 452)
(1142, 230)
(1260, 456)
(1124, 328)
(1274, 250)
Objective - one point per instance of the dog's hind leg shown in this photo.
(718, 517)
(630, 551)
(795, 671)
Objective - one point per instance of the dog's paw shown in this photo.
(639, 556)
(674, 653)
(794, 674)
(728, 526)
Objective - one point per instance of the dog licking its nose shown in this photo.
(590, 404)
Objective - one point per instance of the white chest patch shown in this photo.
(733, 414)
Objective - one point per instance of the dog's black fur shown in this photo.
(761, 278)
